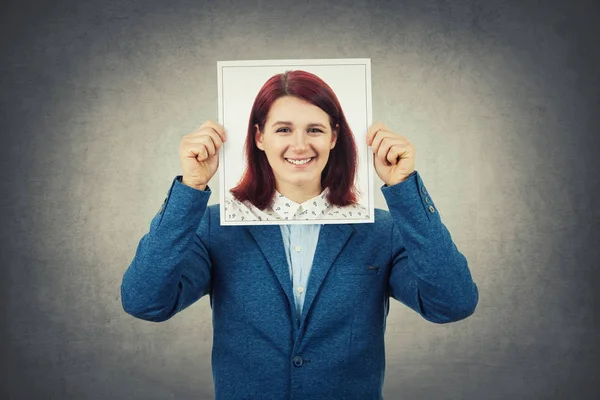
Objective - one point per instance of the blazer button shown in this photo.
(298, 361)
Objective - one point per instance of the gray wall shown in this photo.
(500, 99)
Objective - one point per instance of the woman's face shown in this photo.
(296, 139)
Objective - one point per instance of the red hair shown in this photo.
(257, 185)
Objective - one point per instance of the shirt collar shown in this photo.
(311, 208)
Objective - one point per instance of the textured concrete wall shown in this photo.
(500, 99)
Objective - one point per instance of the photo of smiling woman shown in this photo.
(301, 156)
(298, 311)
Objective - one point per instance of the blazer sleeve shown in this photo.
(171, 268)
(428, 274)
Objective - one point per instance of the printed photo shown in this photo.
(296, 149)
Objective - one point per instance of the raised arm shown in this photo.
(171, 268)
(429, 274)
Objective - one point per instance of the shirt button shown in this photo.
(298, 361)
(298, 248)
(431, 209)
(423, 190)
(300, 289)
(427, 200)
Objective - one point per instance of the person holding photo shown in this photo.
(299, 311)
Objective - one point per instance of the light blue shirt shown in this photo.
(300, 242)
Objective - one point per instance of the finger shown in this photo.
(198, 152)
(384, 148)
(379, 137)
(207, 134)
(216, 127)
(200, 148)
(372, 131)
(209, 145)
(396, 153)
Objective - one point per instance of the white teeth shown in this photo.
(298, 162)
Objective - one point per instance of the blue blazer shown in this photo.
(336, 350)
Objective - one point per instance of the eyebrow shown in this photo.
(290, 123)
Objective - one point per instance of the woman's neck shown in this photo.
(299, 194)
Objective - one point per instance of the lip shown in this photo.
(299, 159)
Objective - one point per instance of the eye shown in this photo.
(315, 131)
(283, 130)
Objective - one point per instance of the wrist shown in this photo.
(400, 179)
(195, 185)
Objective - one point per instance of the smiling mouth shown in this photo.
(299, 161)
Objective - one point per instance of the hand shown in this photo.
(393, 154)
(199, 154)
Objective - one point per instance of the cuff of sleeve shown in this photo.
(183, 199)
(409, 197)
(178, 181)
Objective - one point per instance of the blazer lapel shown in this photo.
(332, 239)
(270, 242)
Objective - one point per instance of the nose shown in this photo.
(300, 143)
